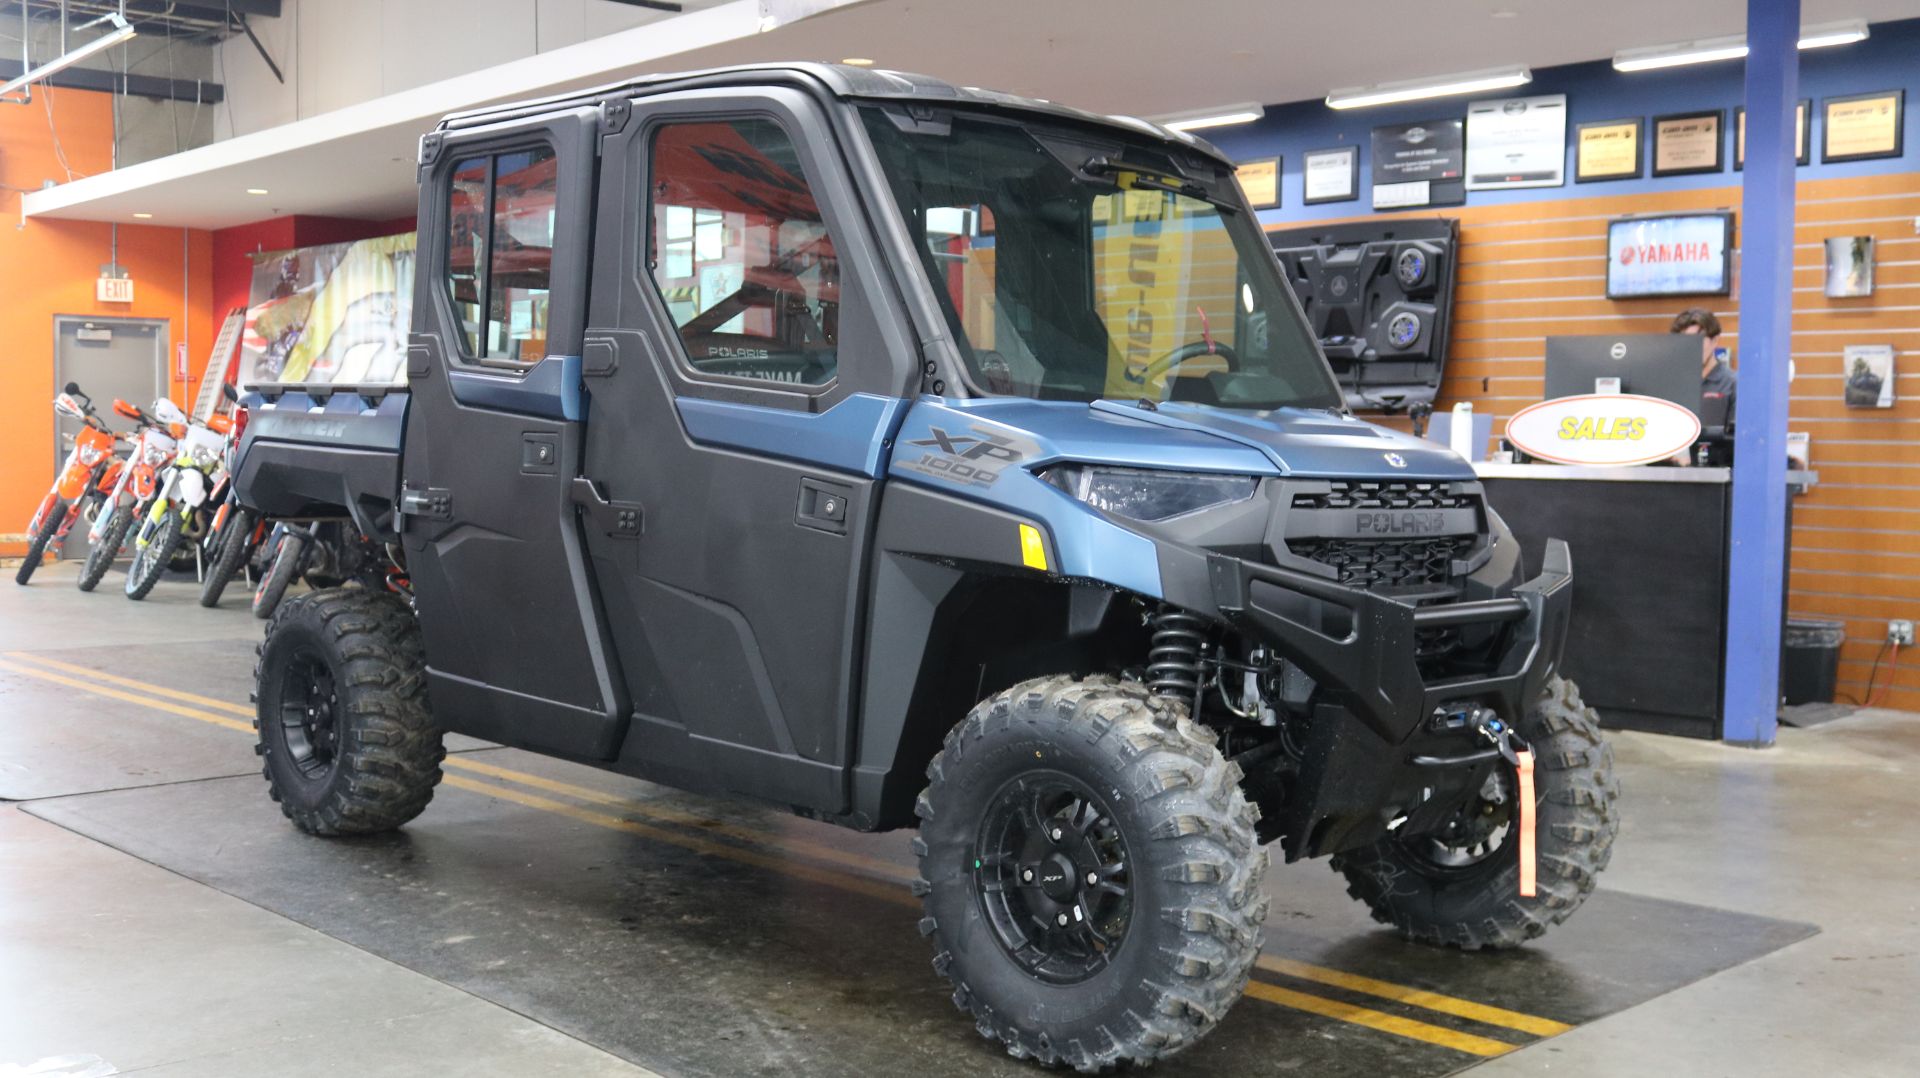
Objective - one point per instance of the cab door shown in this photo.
(745, 371)
(493, 438)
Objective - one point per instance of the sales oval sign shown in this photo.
(1603, 428)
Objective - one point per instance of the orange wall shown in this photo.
(1533, 269)
(48, 268)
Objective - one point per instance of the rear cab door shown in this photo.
(515, 652)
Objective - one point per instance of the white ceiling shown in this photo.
(1140, 57)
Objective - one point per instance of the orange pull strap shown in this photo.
(1529, 855)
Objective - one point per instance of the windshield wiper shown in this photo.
(1136, 176)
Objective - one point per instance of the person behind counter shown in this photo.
(1717, 380)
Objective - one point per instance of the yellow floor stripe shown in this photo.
(1404, 1027)
(144, 700)
(1416, 997)
(1380, 1020)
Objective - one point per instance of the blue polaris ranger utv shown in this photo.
(906, 455)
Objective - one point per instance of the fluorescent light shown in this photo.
(121, 32)
(1734, 47)
(143, 216)
(857, 61)
(1387, 93)
(256, 190)
(1216, 117)
(1833, 33)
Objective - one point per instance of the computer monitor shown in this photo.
(1664, 365)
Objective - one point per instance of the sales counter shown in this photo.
(1650, 561)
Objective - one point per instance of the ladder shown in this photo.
(210, 401)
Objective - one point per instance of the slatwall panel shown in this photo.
(1534, 269)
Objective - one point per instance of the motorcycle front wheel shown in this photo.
(49, 527)
(151, 560)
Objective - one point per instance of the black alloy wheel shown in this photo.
(309, 710)
(1052, 876)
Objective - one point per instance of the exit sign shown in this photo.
(113, 289)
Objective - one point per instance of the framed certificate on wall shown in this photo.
(1688, 142)
(1860, 127)
(1331, 175)
(1608, 150)
(1802, 142)
(1260, 179)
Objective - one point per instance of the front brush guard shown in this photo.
(1362, 646)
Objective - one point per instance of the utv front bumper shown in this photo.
(1384, 743)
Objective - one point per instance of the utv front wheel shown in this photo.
(1460, 887)
(1089, 873)
(340, 699)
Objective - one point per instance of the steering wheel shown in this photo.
(1190, 350)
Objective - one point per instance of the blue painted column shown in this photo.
(1757, 576)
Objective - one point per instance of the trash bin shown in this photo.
(1810, 659)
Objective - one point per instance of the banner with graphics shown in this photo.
(336, 314)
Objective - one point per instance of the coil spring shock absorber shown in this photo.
(1173, 658)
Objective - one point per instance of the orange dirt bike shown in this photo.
(132, 494)
(91, 468)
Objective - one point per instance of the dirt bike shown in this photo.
(134, 489)
(183, 508)
(325, 553)
(80, 488)
(237, 533)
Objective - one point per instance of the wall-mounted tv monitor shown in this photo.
(1673, 254)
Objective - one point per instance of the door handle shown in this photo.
(823, 506)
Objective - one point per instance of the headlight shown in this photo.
(1148, 495)
(90, 455)
(202, 458)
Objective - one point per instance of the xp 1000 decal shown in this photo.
(973, 459)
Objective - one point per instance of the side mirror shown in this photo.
(227, 390)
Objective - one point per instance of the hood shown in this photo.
(1188, 437)
(1310, 442)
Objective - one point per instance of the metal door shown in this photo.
(108, 358)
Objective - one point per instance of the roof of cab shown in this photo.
(838, 79)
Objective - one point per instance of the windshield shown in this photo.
(1073, 268)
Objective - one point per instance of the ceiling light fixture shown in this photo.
(1214, 117)
(1732, 47)
(1388, 93)
(121, 31)
(143, 216)
(256, 190)
(857, 61)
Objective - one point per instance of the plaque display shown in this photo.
(1260, 179)
(1608, 150)
(1517, 142)
(1860, 127)
(1428, 157)
(1688, 142)
(1331, 175)
(1802, 142)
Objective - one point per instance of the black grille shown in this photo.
(1386, 563)
(1386, 495)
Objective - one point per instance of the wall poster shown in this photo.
(1517, 142)
(1331, 175)
(1260, 179)
(1419, 164)
(1802, 144)
(1863, 126)
(336, 314)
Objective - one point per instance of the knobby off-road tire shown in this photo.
(281, 573)
(37, 549)
(1192, 867)
(232, 554)
(340, 705)
(1479, 906)
(150, 562)
(100, 558)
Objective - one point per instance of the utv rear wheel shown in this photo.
(37, 549)
(101, 557)
(340, 704)
(1460, 887)
(1089, 873)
